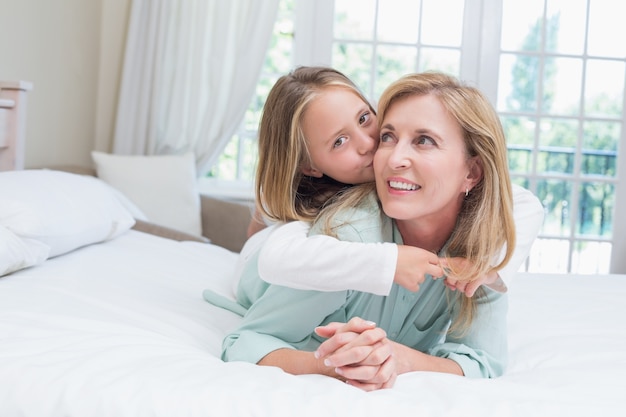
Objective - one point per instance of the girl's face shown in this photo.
(422, 166)
(341, 135)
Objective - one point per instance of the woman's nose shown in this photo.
(398, 157)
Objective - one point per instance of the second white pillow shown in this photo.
(164, 187)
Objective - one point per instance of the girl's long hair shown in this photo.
(283, 193)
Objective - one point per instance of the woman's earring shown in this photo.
(466, 191)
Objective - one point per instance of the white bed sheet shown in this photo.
(121, 329)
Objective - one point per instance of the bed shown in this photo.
(100, 319)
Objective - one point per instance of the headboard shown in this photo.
(12, 123)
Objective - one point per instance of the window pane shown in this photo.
(562, 86)
(596, 209)
(591, 257)
(606, 26)
(559, 133)
(517, 88)
(519, 133)
(439, 59)
(521, 25)
(253, 113)
(249, 149)
(520, 160)
(354, 19)
(278, 59)
(565, 18)
(519, 130)
(521, 181)
(398, 21)
(555, 196)
(549, 256)
(351, 59)
(557, 146)
(442, 22)
(604, 90)
(600, 143)
(226, 168)
(391, 63)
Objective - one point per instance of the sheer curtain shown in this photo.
(190, 71)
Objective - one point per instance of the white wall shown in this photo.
(71, 50)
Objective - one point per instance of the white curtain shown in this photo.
(190, 71)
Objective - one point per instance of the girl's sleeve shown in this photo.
(293, 259)
(528, 216)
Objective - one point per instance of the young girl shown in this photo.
(429, 121)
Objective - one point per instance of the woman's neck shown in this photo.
(428, 235)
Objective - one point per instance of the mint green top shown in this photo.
(280, 317)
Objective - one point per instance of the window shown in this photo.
(233, 175)
(561, 100)
(552, 68)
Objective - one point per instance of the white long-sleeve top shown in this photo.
(291, 258)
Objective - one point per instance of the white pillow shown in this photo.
(17, 253)
(61, 210)
(164, 187)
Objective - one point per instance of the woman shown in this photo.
(441, 173)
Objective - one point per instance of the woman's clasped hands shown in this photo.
(360, 353)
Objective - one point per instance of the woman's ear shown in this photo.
(475, 173)
(311, 172)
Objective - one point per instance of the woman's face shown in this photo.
(342, 136)
(422, 167)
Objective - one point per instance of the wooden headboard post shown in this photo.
(13, 123)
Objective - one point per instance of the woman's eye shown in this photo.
(340, 141)
(385, 137)
(425, 140)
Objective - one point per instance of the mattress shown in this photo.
(120, 328)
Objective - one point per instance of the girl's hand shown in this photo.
(491, 279)
(413, 265)
(359, 352)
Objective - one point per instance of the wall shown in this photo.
(115, 14)
(71, 50)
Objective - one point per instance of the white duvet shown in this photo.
(120, 329)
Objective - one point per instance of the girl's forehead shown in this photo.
(338, 90)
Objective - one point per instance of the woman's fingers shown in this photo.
(370, 348)
(329, 329)
(369, 377)
(339, 334)
(334, 344)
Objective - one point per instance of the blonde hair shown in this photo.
(283, 193)
(485, 222)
